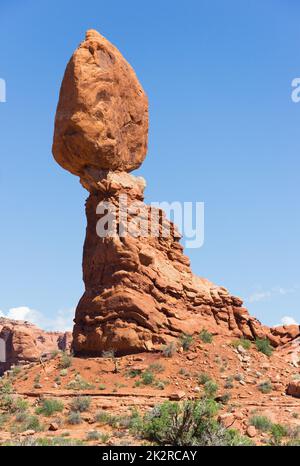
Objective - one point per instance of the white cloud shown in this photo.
(259, 296)
(288, 320)
(61, 320)
(262, 295)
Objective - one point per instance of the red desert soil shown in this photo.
(112, 387)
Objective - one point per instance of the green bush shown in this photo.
(186, 341)
(156, 367)
(261, 423)
(93, 435)
(264, 346)
(278, 431)
(203, 377)
(229, 383)
(210, 388)
(205, 336)
(5, 387)
(65, 360)
(147, 377)
(32, 423)
(74, 418)
(169, 350)
(50, 406)
(265, 387)
(79, 384)
(81, 404)
(246, 344)
(190, 423)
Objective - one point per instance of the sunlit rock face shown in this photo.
(102, 115)
(140, 292)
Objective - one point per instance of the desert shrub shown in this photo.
(74, 418)
(205, 336)
(265, 387)
(102, 417)
(210, 388)
(183, 371)
(160, 384)
(147, 377)
(264, 346)
(101, 386)
(190, 423)
(15, 371)
(54, 353)
(81, 404)
(203, 377)
(156, 367)
(229, 383)
(278, 431)
(5, 387)
(43, 442)
(6, 402)
(21, 416)
(63, 373)
(186, 341)
(104, 437)
(246, 344)
(134, 373)
(65, 360)
(78, 383)
(50, 406)
(32, 423)
(224, 399)
(261, 423)
(169, 350)
(93, 435)
(20, 405)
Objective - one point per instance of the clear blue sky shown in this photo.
(223, 130)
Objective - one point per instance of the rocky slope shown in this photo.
(252, 391)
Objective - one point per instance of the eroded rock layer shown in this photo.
(140, 291)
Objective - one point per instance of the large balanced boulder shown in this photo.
(102, 114)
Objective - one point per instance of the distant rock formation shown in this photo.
(140, 291)
(21, 341)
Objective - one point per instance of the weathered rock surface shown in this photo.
(24, 342)
(140, 291)
(293, 389)
(102, 115)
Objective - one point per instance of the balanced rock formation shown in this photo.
(140, 291)
(21, 341)
(102, 114)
